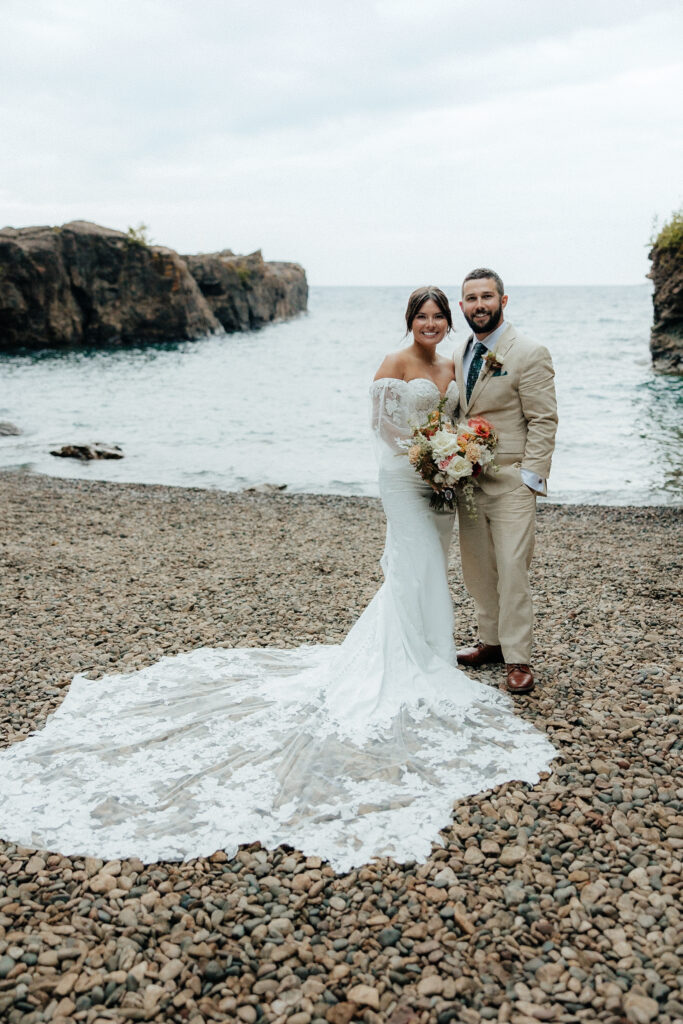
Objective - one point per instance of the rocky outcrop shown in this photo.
(666, 338)
(83, 284)
(245, 292)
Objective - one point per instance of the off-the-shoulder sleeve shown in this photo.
(389, 415)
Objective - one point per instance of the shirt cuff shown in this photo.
(534, 481)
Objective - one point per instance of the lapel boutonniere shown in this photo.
(493, 363)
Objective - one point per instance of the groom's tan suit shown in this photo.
(496, 547)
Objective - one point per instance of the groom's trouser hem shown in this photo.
(496, 550)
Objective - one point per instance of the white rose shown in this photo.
(458, 468)
(443, 444)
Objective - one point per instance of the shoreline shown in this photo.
(673, 502)
(564, 896)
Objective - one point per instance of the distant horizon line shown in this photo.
(636, 284)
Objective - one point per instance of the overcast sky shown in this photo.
(373, 141)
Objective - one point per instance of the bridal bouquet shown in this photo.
(449, 456)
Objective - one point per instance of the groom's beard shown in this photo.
(486, 326)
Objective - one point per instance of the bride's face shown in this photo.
(430, 325)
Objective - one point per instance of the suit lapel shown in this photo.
(501, 348)
(458, 357)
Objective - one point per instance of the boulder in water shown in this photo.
(85, 452)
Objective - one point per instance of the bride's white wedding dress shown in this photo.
(348, 752)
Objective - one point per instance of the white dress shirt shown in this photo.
(533, 481)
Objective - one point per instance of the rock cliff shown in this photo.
(666, 338)
(82, 284)
(244, 292)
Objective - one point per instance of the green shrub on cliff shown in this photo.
(139, 235)
(671, 235)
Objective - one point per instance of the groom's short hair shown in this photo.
(480, 272)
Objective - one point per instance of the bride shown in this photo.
(347, 752)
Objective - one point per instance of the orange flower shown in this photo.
(480, 426)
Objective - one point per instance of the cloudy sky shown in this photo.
(374, 141)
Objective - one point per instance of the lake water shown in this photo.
(288, 404)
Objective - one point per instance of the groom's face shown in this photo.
(482, 306)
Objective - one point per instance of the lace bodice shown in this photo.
(399, 405)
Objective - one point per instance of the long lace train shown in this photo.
(349, 752)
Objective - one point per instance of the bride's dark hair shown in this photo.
(419, 297)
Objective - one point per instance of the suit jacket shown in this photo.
(519, 400)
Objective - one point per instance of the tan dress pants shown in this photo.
(496, 551)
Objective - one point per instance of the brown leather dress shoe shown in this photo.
(480, 654)
(520, 678)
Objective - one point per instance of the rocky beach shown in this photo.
(558, 902)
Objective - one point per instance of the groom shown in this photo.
(508, 379)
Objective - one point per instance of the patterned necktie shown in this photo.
(475, 367)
